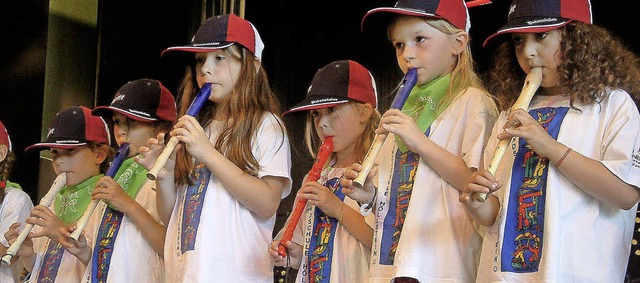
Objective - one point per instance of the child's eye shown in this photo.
(57, 152)
(314, 113)
(220, 57)
(517, 40)
(420, 39)
(331, 109)
(541, 35)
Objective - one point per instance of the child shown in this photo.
(79, 144)
(341, 103)
(141, 109)
(423, 233)
(15, 204)
(570, 181)
(219, 195)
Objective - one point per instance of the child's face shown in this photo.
(540, 50)
(419, 45)
(134, 132)
(219, 68)
(80, 163)
(344, 122)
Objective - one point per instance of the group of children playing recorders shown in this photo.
(468, 184)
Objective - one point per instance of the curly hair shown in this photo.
(5, 171)
(250, 99)
(594, 62)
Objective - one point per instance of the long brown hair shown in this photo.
(593, 62)
(250, 99)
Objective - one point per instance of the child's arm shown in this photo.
(594, 178)
(166, 191)
(320, 196)
(260, 195)
(113, 194)
(588, 174)
(449, 166)
(26, 253)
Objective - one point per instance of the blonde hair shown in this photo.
(249, 100)
(464, 74)
(313, 142)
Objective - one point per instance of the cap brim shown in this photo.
(198, 49)
(317, 102)
(524, 25)
(378, 18)
(107, 111)
(47, 145)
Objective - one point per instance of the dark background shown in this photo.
(300, 37)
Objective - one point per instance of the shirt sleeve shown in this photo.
(273, 152)
(621, 142)
(16, 207)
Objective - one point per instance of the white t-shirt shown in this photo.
(15, 207)
(225, 241)
(439, 242)
(584, 239)
(133, 258)
(349, 258)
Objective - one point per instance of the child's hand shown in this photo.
(50, 223)
(108, 190)
(294, 252)
(148, 154)
(521, 124)
(189, 132)
(364, 195)
(479, 182)
(396, 122)
(320, 196)
(79, 248)
(26, 249)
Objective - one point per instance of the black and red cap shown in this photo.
(145, 100)
(73, 127)
(222, 31)
(453, 11)
(336, 83)
(4, 136)
(534, 16)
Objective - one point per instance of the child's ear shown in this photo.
(460, 43)
(4, 150)
(102, 152)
